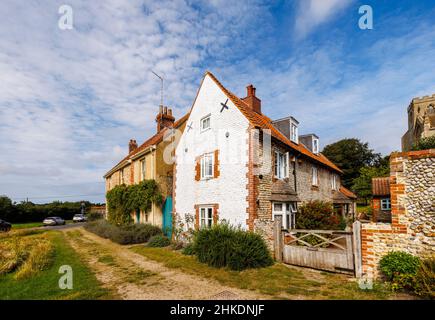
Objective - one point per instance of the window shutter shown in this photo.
(197, 169)
(216, 171)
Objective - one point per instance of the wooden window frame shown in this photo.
(203, 119)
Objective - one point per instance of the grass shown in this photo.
(44, 284)
(279, 280)
(27, 225)
(362, 208)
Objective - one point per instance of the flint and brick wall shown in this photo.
(412, 227)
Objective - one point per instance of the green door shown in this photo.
(167, 217)
(137, 216)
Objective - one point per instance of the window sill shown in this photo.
(314, 188)
(206, 178)
(204, 130)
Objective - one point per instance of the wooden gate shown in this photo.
(331, 250)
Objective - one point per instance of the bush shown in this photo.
(225, 246)
(425, 143)
(93, 216)
(317, 215)
(159, 241)
(425, 279)
(400, 269)
(189, 250)
(129, 234)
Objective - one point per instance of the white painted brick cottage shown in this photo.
(233, 163)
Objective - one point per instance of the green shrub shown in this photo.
(128, 234)
(400, 269)
(93, 216)
(317, 215)
(122, 200)
(425, 143)
(159, 241)
(189, 250)
(226, 246)
(425, 279)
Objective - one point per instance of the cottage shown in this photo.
(150, 161)
(234, 163)
(381, 202)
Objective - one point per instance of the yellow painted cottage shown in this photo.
(151, 160)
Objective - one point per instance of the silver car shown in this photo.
(53, 221)
(79, 218)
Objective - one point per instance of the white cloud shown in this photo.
(71, 100)
(312, 13)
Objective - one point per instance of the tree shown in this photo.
(6, 208)
(362, 185)
(350, 155)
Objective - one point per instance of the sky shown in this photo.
(70, 100)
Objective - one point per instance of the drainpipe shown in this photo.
(294, 173)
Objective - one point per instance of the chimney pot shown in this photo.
(164, 118)
(251, 99)
(132, 145)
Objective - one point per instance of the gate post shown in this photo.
(357, 248)
(277, 239)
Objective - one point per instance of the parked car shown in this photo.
(5, 226)
(53, 221)
(79, 218)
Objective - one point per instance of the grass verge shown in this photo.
(44, 285)
(278, 280)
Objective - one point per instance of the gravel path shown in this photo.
(132, 276)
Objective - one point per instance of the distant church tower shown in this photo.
(421, 121)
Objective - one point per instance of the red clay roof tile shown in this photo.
(381, 186)
(264, 122)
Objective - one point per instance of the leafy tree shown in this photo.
(362, 185)
(317, 215)
(6, 207)
(351, 155)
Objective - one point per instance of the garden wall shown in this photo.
(412, 227)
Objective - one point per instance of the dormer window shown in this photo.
(315, 145)
(205, 123)
(294, 132)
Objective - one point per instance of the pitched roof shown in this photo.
(263, 122)
(381, 186)
(155, 139)
(347, 192)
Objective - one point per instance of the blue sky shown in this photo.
(70, 100)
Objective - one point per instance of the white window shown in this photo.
(294, 132)
(143, 169)
(287, 212)
(334, 181)
(385, 204)
(314, 176)
(281, 165)
(206, 217)
(205, 123)
(315, 145)
(207, 166)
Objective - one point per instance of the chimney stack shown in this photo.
(251, 99)
(132, 145)
(164, 118)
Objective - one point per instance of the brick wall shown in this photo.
(412, 227)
